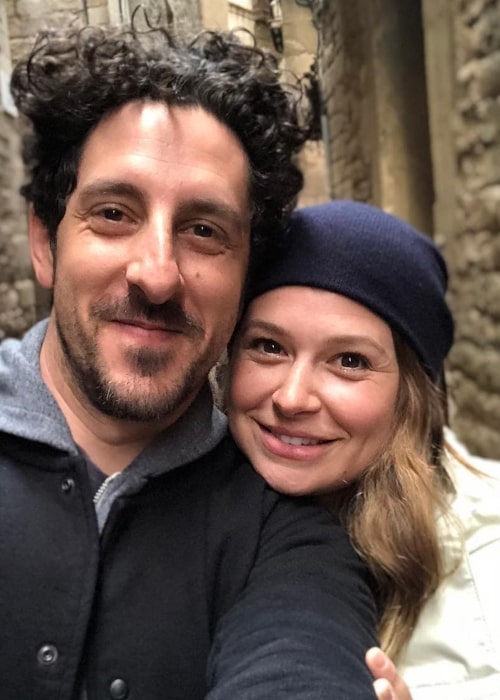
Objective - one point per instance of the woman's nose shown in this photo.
(297, 392)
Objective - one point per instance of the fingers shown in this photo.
(388, 684)
(380, 665)
(384, 690)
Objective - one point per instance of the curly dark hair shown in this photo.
(72, 78)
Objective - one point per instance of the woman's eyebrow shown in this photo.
(265, 326)
(349, 338)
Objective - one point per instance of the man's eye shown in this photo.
(112, 214)
(203, 231)
(109, 220)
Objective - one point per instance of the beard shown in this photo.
(142, 396)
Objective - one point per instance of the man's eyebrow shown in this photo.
(197, 206)
(110, 187)
(206, 206)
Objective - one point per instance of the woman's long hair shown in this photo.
(390, 513)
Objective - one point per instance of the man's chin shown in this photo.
(133, 397)
(141, 408)
(142, 362)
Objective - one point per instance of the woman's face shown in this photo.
(314, 382)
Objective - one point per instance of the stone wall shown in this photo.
(374, 90)
(27, 17)
(412, 98)
(344, 72)
(473, 252)
(17, 290)
(22, 301)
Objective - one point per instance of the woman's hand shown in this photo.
(388, 684)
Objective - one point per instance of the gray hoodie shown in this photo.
(28, 410)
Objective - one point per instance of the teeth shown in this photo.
(297, 441)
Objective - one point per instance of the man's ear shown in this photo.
(41, 252)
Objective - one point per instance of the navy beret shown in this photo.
(374, 258)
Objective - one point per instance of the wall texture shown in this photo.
(17, 290)
(345, 74)
(21, 300)
(412, 100)
(473, 248)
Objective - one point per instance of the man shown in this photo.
(140, 555)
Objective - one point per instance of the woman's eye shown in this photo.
(269, 347)
(351, 360)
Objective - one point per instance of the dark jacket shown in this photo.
(199, 562)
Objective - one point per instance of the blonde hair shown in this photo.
(390, 513)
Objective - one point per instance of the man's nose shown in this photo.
(297, 392)
(153, 265)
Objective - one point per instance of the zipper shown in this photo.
(103, 488)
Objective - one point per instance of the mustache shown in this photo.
(135, 308)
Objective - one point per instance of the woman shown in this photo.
(335, 391)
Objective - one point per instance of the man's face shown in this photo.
(150, 261)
